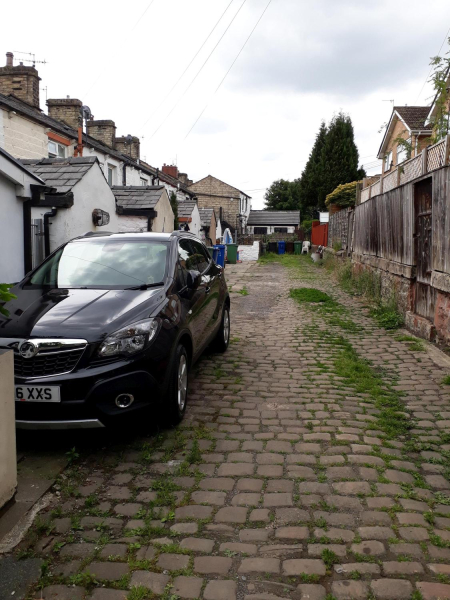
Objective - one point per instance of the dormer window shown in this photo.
(56, 150)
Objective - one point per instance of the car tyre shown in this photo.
(222, 339)
(177, 392)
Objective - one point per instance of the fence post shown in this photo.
(425, 160)
(381, 184)
(398, 176)
(447, 149)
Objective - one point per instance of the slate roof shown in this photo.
(36, 115)
(22, 167)
(205, 216)
(61, 173)
(145, 196)
(273, 217)
(415, 117)
(185, 208)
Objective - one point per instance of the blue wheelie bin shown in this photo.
(220, 254)
(281, 247)
(215, 254)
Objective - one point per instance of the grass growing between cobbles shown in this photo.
(359, 374)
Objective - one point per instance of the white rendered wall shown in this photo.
(89, 193)
(165, 219)
(249, 252)
(131, 224)
(11, 234)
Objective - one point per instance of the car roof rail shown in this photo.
(97, 233)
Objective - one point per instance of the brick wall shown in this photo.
(66, 110)
(21, 82)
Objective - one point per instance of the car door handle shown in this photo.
(207, 290)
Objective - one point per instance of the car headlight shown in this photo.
(129, 339)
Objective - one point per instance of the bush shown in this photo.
(344, 195)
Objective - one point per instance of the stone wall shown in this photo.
(21, 82)
(67, 110)
(103, 131)
(213, 193)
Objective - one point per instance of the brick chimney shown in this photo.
(171, 170)
(103, 131)
(129, 145)
(67, 110)
(20, 81)
(184, 179)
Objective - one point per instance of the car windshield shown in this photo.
(104, 264)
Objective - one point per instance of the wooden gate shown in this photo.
(425, 294)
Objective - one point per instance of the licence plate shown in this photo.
(25, 393)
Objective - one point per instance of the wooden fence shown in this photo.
(384, 226)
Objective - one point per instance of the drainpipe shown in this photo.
(48, 215)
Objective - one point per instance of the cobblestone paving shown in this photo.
(282, 481)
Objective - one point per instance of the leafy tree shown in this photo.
(282, 195)
(344, 195)
(174, 205)
(5, 296)
(440, 119)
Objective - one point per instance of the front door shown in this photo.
(425, 294)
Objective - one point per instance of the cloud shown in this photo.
(341, 48)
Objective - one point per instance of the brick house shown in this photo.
(409, 123)
(232, 205)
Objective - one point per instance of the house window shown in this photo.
(111, 174)
(281, 229)
(387, 161)
(56, 150)
(260, 230)
(144, 181)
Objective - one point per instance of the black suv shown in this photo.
(109, 324)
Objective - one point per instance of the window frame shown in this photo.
(110, 169)
(60, 149)
(387, 161)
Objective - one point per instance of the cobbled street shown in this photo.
(300, 472)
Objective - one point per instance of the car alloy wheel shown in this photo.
(226, 326)
(182, 382)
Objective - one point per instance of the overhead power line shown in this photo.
(431, 70)
(198, 73)
(231, 66)
(190, 63)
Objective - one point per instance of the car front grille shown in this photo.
(43, 365)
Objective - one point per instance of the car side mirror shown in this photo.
(193, 279)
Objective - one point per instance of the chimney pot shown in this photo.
(9, 59)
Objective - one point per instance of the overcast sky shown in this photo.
(306, 60)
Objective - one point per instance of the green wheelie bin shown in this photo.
(232, 253)
(297, 247)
